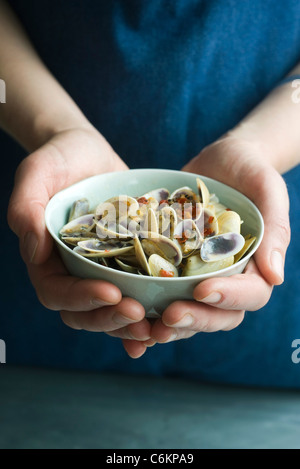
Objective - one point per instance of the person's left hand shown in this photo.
(220, 303)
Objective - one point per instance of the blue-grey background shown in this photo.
(160, 80)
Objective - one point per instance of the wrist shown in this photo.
(45, 126)
(274, 125)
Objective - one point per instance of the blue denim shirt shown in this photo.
(161, 79)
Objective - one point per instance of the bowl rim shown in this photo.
(146, 277)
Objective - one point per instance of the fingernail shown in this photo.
(98, 303)
(122, 320)
(277, 264)
(213, 297)
(30, 245)
(150, 342)
(186, 321)
(172, 337)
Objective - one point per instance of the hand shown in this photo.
(220, 303)
(93, 305)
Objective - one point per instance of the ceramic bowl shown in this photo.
(154, 293)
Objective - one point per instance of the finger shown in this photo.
(248, 291)
(163, 333)
(107, 318)
(35, 183)
(271, 197)
(133, 348)
(58, 290)
(134, 331)
(182, 319)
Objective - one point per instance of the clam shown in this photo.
(229, 222)
(186, 203)
(207, 224)
(203, 192)
(249, 241)
(126, 267)
(154, 243)
(221, 246)
(75, 238)
(79, 208)
(158, 234)
(157, 194)
(160, 267)
(184, 192)
(150, 222)
(167, 221)
(140, 255)
(196, 266)
(78, 226)
(112, 230)
(117, 207)
(96, 247)
(188, 237)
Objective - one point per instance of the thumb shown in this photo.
(26, 209)
(273, 201)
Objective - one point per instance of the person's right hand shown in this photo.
(92, 305)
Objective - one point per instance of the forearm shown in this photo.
(275, 125)
(36, 105)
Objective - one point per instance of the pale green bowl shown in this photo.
(154, 293)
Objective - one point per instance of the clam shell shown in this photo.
(221, 246)
(103, 249)
(229, 222)
(140, 255)
(157, 194)
(150, 222)
(207, 224)
(160, 267)
(188, 237)
(249, 241)
(112, 230)
(79, 208)
(203, 192)
(117, 207)
(167, 221)
(154, 243)
(126, 267)
(78, 225)
(196, 266)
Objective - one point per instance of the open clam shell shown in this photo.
(229, 222)
(249, 241)
(99, 248)
(78, 225)
(221, 246)
(150, 222)
(167, 221)
(79, 208)
(154, 243)
(157, 194)
(160, 267)
(117, 207)
(140, 255)
(203, 192)
(207, 224)
(188, 237)
(196, 266)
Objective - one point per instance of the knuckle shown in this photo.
(207, 324)
(68, 320)
(236, 322)
(283, 230)
(45, 300)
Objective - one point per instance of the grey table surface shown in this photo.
(42, 408)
